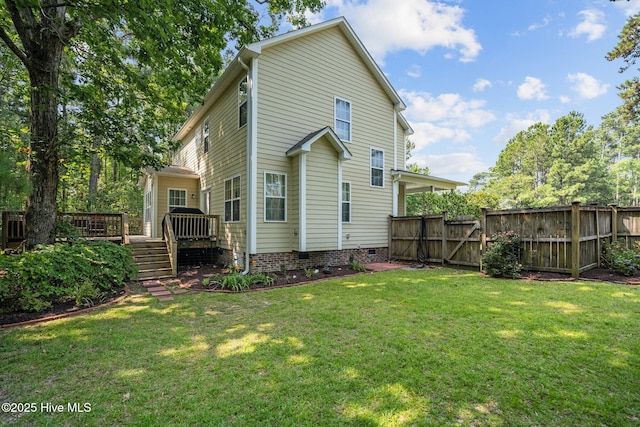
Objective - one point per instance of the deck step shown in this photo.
(161, 273)
(152, 259)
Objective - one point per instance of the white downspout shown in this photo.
(252, 160)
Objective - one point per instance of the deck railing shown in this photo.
(85, 224)
(194, 226)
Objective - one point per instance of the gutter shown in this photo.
(252, 164)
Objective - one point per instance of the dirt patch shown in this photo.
(598, 274)
(57, 311)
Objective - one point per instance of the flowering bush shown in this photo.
(622, 260)
(502, 259)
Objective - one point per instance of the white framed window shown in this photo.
(343, 119)
(147, 207)
(232, 199)
(177, 198)
(377, 168)
(205, 135)
(346, 201)
(275, 197)
(243, 95)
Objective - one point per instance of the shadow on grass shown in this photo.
(424, 348)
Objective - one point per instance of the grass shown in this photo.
(438, 347)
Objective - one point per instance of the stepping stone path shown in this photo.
(159, 289)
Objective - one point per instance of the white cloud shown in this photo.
(565, 99)
(415, 71)
(450, 164)
(592, 25)
(425, 133)
(450, 109)
(546, 21)
(587, 86)
(630, 7)
(445, 118)
(387, 26)
(532, 88)
(516, 123)
(481, 84)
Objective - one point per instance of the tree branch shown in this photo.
(13, 47)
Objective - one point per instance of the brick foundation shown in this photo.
(291, 260)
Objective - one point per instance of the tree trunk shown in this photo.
(45, 54)
(96, 166)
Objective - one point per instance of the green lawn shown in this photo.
(436, 347)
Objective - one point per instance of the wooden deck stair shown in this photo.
(152, 258)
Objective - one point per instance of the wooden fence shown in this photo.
(566, 239)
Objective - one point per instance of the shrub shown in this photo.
(82, 271)
(502, 259)
(622, 260)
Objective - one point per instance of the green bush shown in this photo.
(83, 271)
(502, 259)
(622, 260)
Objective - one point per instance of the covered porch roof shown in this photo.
(421, 183)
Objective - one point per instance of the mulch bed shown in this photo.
(192, 277)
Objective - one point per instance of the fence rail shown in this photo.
(194, 226)
(565, 239)
(89, 225)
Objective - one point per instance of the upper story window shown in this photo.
(205, 135)
(232, 199)
(275, 196)
(377, 168)
(343, 119)
(243, 95)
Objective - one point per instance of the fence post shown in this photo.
(390, 237)
(614, 222)
(5, 229)
(598, 247)
(125, 228)
(483, 235)
(575, 239)
(444, 238)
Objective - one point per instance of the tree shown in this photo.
(628, 49)
(551, 165)
(154, 48)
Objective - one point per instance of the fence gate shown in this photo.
(461, 242)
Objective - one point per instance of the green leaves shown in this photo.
(34, 280)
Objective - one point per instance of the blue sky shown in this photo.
(474, 73)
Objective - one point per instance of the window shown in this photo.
(147, 207)
(343, 119)
(346, 202)
(177, 198)
(232, 199)
(275, 196)
(205, 135)
(242, 103)
(377, 168)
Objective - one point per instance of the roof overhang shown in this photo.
(173, 171)
(304, 146)
(421, 183)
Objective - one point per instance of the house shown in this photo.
(299, 147)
